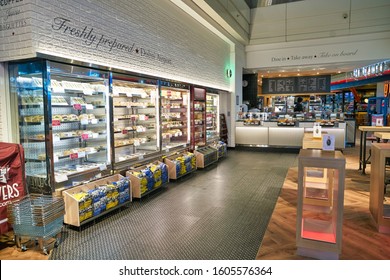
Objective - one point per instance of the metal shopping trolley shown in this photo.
(37, 218)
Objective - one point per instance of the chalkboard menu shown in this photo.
(290, 85)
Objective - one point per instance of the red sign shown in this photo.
(12, 179)
(77, 107)
(125, 131)
(85, 136)
(56, 122)
(74, 156)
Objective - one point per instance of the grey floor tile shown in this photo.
(220, 212)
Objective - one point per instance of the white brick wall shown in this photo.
(196, 54)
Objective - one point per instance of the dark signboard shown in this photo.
(289, 85)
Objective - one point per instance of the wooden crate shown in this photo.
(72, 205)
(170, 162)
(205, 159)
(136, 182)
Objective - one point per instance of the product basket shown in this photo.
(38, 218)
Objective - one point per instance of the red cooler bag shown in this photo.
(12, 179)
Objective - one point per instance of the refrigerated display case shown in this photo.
(63, 123)
(212, 117)
(175, 117)
(135, 133)
(198, 117)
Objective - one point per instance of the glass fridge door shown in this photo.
(198, 117)
(79, 121)
(135, 119)
(174, 118)
(26, 87)
(212, 117)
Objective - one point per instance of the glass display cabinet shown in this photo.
(321, 177)
(63, 124)
(175, 116)
(135, 119)
(198, 117)
(212, 117)
(379, 186)
(26, 88)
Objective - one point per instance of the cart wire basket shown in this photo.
(37, 218)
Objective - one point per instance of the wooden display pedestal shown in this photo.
(138, 189)
(78, 213)
(379, 204)
(172, 168)
(321, 177)
(206, 156)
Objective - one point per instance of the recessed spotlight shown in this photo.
(339, 72)
(298, 74)
(280, 75)
(318, 73)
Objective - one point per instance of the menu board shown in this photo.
(305, 84)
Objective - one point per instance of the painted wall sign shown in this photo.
(4, 3)
(10, 14)
(97, 40)
(304, 84)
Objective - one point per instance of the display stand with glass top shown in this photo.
(321, 176)
(135, 119)
(380, 186)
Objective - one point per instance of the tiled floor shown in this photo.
(218, 213)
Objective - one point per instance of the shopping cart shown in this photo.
(38, 219)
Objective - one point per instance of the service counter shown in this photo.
(269, 134)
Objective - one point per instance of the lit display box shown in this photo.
(321, 178)
(379, 189)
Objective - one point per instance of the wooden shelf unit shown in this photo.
(223, 131)
(172, 168)
(379, 195)
(139, 189)
(320, 203)
(78, 212)
(206, 156)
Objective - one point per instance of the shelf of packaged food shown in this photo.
(134, 107)
(32, 139)
(65, 176)
(28, 88)
(125, 145)
(78, 155)
(76, 92)
(173, 127)
(124, 131)
(30, 106)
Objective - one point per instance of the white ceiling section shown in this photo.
(231, 16)
(275, 35)
(314, 27)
